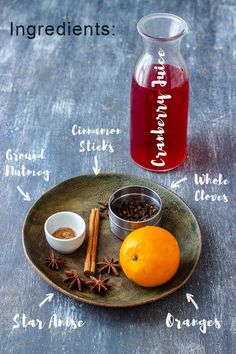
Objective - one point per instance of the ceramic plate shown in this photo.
(79, 195)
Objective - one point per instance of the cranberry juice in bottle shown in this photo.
(160, 96)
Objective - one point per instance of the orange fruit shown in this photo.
(150, 256)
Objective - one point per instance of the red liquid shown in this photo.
(144, 103)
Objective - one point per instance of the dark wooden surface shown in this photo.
(47, 85)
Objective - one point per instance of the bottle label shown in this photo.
(161, 111)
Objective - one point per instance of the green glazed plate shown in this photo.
(80, 194)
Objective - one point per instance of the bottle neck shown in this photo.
(169, 47)
(161, 52)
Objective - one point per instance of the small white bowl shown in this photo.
(65, 219)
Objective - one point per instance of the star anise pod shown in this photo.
(109, 266)
(55, 261)
(74, 280)
(98, 285)
(103, 209)
(104, 206)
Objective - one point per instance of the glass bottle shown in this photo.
(160, 95)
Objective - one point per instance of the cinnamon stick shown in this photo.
(90, 259)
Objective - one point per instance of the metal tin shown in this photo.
(120, 227)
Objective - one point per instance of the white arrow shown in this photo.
(48, 298)
(177, 184)
(25, 195)
(190, 299)
(96, 170)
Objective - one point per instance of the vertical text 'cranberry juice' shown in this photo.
(159, 117)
